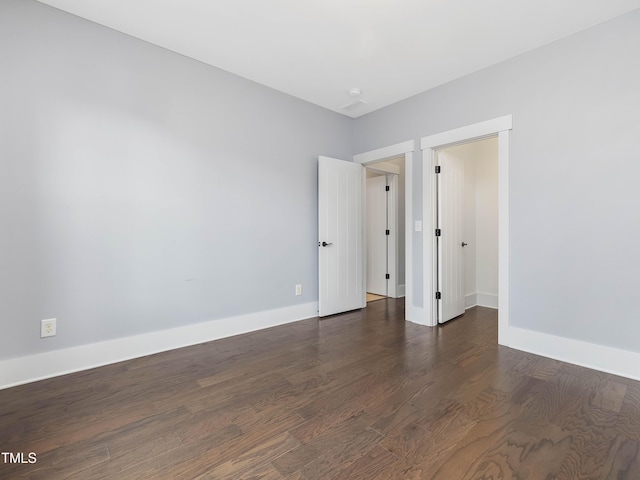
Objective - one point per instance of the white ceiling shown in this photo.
(318, 50)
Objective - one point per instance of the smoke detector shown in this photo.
(354, 93)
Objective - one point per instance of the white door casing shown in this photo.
(429, 145)
(413, 313)
(376, 235)
(450, 214)
(340, 236)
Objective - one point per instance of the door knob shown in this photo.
(324, 244)
(464, 244)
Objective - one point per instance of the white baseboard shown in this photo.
(470, 300)
(488, 300)
(17, 371)
(400, 291)
(589, 355)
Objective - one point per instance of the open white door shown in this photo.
(377, 238)
(450, 183)
(341, 236)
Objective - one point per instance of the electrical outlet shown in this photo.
(298, 290)
(48, 328)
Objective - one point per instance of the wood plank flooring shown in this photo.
(372, 297)
(362, 395)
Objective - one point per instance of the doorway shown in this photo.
(341, 219)
(376, 236)
(384, 236)
(404, 151)
(466, 227)
(502, 127)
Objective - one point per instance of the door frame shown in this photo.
(406, 149)
(501, 127)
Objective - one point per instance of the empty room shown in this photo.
(185, 253)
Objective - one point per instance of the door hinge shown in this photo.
(437, 168)
(438, 232)
(387, 232)
(386, 276)
(438, 295)
(386, 188)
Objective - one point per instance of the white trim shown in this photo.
(589, 355)
(430, 144)
(384, 168)
(17, 371)
(488, 300)
(400, 291)
(470, 300)
(384, 153)
(463, 134)
(412, 313)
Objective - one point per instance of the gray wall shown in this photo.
(575, 168)
(141, 190)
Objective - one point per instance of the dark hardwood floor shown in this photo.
(362, 395)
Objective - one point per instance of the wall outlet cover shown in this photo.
(48, 328)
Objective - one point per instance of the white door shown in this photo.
(450, 242)
(377, 237)
(341, 236)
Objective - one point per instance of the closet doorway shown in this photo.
(467, 227)
(384, 234)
